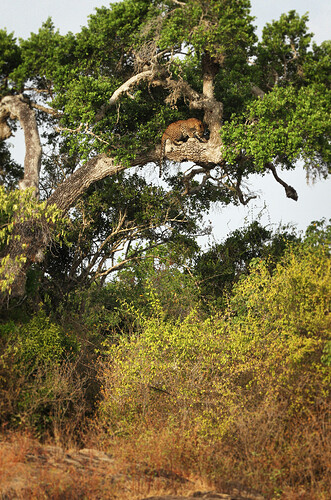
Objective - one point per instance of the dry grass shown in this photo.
(265, 452)
(29, 470)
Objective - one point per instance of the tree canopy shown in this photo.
(93, 107)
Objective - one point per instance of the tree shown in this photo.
(105, 96)
(220, 267)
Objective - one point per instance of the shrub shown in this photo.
(39, 381)
(248, 382)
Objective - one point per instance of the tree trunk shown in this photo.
(17, 107)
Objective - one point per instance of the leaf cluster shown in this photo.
(283, 50)
(283, 127)
(224, 264)
(10, 58)
(21, 216)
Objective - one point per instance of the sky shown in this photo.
(272, 207)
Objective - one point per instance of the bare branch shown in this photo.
(49, 111)
(234, 187)
(240, 194)
(123, 89)
(177, 2)
(289, 190)
(71, 130)
(257, 91)
(79, 129)
(187, 180)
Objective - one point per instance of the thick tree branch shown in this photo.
(123, 89)
(257, 91)
(99, 167)
(195, 151)
(17, 107)
(74, 186)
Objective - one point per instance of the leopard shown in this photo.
(180, 131)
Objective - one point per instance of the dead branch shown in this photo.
(82, 127)
(289, 190)
(177, 2)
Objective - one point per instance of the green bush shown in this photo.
(277, 323)
(37, 342)
(37, 375)
(251, 379)
(20, 210)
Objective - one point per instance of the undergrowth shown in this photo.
(237, 398)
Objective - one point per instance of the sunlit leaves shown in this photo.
(275, 333)
(284, 126)
(19, 208)
(317, 65)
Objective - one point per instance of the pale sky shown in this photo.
(22, 18)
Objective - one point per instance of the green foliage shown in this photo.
(21, 209)
(34, 371)
(162, 275)
(271, 342)
(111, 32)
(47, 59)
(10, 58)
(39, 342)
(19, 206)
(283, 49)
(10, 171)
(317, 66)
(299, 294)
(220, 29)
(221, 266)
(291, 122)
(318, 233)
(160, 281)
(286, 125)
